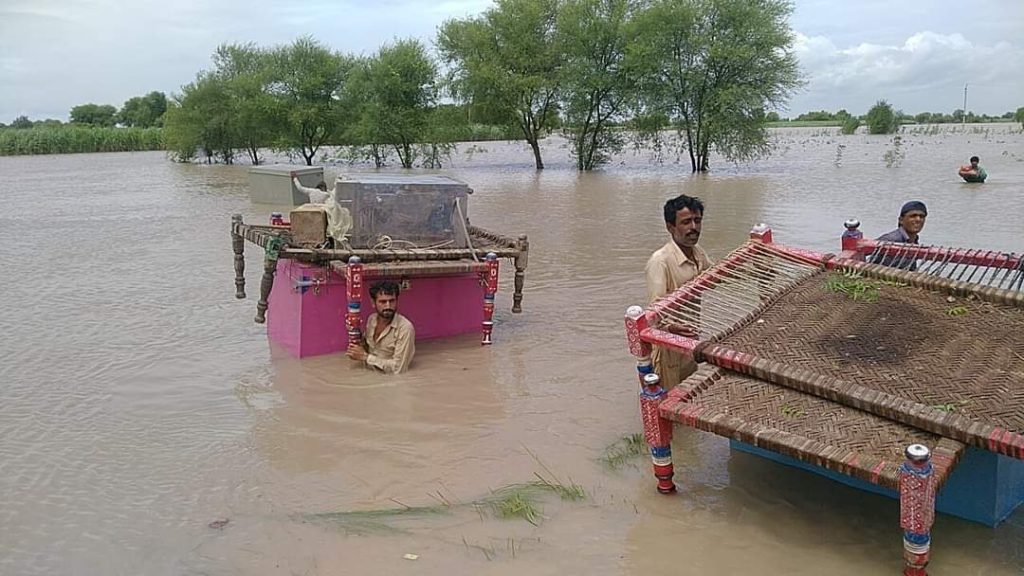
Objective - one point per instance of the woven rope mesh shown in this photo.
(963, 357)
(807, 427)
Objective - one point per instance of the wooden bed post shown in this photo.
(490, 288)
(354, 292)
(267, 282)
(851, 239)
(238, 245)
(762, 233)
(520, 276)
(917, 509)
(657, 430)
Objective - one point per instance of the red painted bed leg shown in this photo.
(490, 288)
(354, 292)
(917, 509)
(657, 430)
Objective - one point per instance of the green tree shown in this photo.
(714, 66)
(247, 73)
(308, 80)
(881, 119)
(850, 125)
(143, 111)
(772, 117)
(21, 123)
(1019, 116)
(94, 115)
(396, 92)
(597, 79)
(202, 117)
(507, 60)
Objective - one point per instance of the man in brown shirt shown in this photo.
(390, 339)
(674, 264)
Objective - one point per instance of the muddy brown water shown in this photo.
(140, 403)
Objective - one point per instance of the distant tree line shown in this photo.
(594, 69)
(92, 128)
(599, 71)
(843, 118)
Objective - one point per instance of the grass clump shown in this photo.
(951, 406)
(957, 311)
(854, 285)
(620, 452)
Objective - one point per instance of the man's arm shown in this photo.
(315, 195)
(405, 348)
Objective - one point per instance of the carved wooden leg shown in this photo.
(917, 509)
(520, 275)
(266, 284)
(238, 245)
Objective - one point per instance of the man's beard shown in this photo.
(389, 314)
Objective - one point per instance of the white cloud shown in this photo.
(926, 72)
(55, 54)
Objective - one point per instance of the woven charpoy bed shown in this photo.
(803, 426)
(878, 373)
(276, 241)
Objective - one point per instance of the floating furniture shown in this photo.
(909, 384)
(410, 229)
(272, 184)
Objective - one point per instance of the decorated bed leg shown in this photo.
(267, 283)
(238, 245)
(490, 288)
(657, 430)
(520, 276)
(354, 293)
(917, 509)
(851, 239)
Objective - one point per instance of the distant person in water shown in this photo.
(316, 195)
(911, 222)
(973, 172)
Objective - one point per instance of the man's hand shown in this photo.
(682, 330)
(356, 352)
(294, 174)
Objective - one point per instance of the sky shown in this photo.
(917, 54)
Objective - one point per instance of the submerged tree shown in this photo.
(713, 67)
(596, 79)
(507, 59)
(881, 119)
(201, 117)
(257, 115)
(308, 80)
(395, 92)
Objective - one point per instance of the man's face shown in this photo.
(385, 305)
(974, 163)
(913, 221)
(686, 230)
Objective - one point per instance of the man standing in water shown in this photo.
(911, 222)
(973, 172)
(674, 264)
(390, 339)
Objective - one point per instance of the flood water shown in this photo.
(140, 402)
